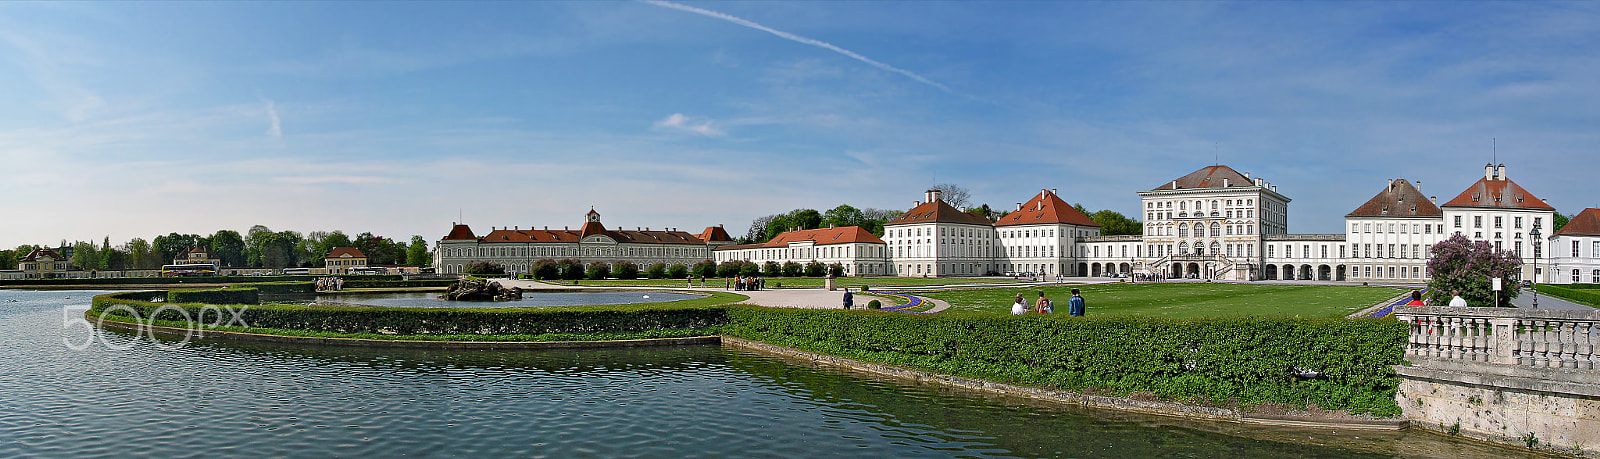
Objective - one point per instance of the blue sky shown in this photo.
(127, 119)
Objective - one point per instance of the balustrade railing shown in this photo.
(1527, 337)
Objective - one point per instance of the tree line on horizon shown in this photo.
(765, 228)
(259, 247)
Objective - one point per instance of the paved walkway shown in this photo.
(1525, 300)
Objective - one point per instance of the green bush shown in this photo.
(751, 269)
(236, 295)
(350, 283)
(1581, 296)
(484, 267)
(792, 269)
(772, 269)
(598, 270)
(443, 321)
(625, 269)
(874, 304)
(816, 269)
(704, 269)
(678, 271)
(546, 269)
(730, 268)
(1333, 363)
(656, 271)
(571, 269)
(836, 270)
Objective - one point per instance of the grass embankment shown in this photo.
(774, 282)
(1584, 294)
(1178, 299)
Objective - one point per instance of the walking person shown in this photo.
(1020, 306)
(1075, 305)
(849, 300)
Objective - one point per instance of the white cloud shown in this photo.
(276, 131)
(680, 122)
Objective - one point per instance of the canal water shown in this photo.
(529, 299)
(66, 391)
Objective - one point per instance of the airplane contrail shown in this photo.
(798, 39)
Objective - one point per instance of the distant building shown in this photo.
(857, 250)
(518, 249)
(1497, 210)
(43, 264)
(196, 255)
(1574, 255)
(934, 239)
(341, 259)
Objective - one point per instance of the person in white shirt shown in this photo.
(1019, 307)
(1456, 301)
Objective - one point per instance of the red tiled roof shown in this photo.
(186, 252)
(1208, 177)
(1586, 223)
(627, 237)
(1046, 208)
(460, 233)
(38, 253)
(715, 234)
(819, 236)
(1498, 193)
(339, 252)
(1399, 199)
(937, 212)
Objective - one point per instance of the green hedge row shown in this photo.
(1333, 363)
(443, 321)
(234, 295)
(362, 282)
(283, 287)
(190, 280)
(1586, 297)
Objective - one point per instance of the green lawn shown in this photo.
(1180, 300)
(772, 282)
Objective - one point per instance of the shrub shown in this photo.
(571, 269)
(598, 270)
(729, 268)
(874, 304)
(656, 271)
(625, 269)
(546, 269)
(1256, 360)
(1460, 264)
(792, 269)
(1587, 297)
(703, 269)
(771, 269)
(235, 295)
(816, 269)
(751, 270)
(299, 287)
(483, 267)
(677, 271)
(836, 270)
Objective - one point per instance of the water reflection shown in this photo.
(248, 399)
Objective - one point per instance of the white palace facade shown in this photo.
(1213, 223)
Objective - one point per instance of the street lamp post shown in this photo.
(1536, 244)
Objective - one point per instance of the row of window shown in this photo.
(1499, 221)
(1217, 229)
(1199, 204)
(1594, 278)
(1402, 228)
(524, 252)
(1594, 252)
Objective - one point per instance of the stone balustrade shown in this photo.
(1541, 338)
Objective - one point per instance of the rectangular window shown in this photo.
(1517, 247)
(1341, 251)
(1380, 251)
(1477, 221)
(1574, 276)
(1392, 253)
(1497, 220)
(1324, 251)
(1269, 251)
(1458, 221)
(1366, 227)
(1402, 228)
(1391, 228)
(1416, 250)
(1575, 250)
(1369, 272)
(1516, 222)
(1594, 252)
(1366, 249)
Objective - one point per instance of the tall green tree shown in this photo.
(417, 253)
(171, 245)
(141, 256)
(844, 215)
(1559, 221)
(228, 246)
(1113, 223)
(85, 256)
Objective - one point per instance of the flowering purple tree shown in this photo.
(1459, 264)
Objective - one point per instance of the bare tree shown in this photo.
(880, 214)
(953, 194)
(758, 229)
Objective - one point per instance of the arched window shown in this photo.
(1183, 230)
(1215, 247)
(1183, 248)
(1199, 230)
(1216, 229)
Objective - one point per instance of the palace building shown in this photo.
(517, 249)
(1213, 223)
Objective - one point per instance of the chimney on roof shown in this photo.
(1391, 184)
(1019, 207)
(1247, 176)
(1259, 181)
(1174, 184)
(1040, 206)
(1052, 191)
(1418, 186)
(935, 195)
(1500, 171)
(830, 226)
(1274, 188)
(1224, 182)
(1488, 171)
(566, 228)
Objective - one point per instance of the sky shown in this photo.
(135, 119)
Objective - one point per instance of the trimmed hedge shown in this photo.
(283, 288)
(1584, 297)
(443, 321)
(357, 282)
(237, 295)
(1333, 363)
